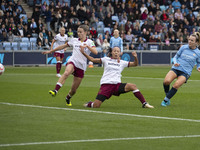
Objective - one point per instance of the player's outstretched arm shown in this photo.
(56, 49)
(94, 60)
(92, 49)
(135, 63)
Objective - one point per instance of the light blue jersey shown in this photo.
(116, 42)
(187, 58)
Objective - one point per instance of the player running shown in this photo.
(184, 61)
(77, 63)
(58, 40)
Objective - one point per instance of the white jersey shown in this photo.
(79, 60)
(60, 40)
(112, 70)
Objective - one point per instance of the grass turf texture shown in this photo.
(29, 85)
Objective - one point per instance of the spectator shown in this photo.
(40, 40)
(179, 33)
(158, 27)
(81, 14)
(108, 21)
(70, 33)
(80, 5)
(164, 16)
(123, 19)
(10, 36)
(184, 10)
(189, 16)
(176, 4)
(36, 14)
(110, 9)
(33, 24)
(93, 32)
(140, 44)
(116, 41)
(144, 15)
(99, 41)
(106, 45)
(137, 32)
(129, 36)
(47, 17)
(178, 14)
(128, 26)
(26, 31)
(143, 8)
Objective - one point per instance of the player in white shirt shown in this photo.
(77, 63)
(58, 40)
(111, 79)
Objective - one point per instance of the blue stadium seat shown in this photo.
(26, 18)
(100, 24)
(115, 18)
(25, 39)
(15, 46)
(34, 46)
(7, 46)
(17, 39)
(33, 40)
(107, 29)
(24, 45)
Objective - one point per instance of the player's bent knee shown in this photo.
(166, 82)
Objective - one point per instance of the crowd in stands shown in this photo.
(140, 22)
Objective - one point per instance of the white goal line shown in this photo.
(100, 112)
(99, 140)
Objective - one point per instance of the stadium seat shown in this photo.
(25, 39)
(33, 40)
(26, 18)
(195, 13)
(107, 29)
(17, 39)
(7, 46)
(15, 46)
(100, 24)
(24, 45)
(115, 18)
(34, 46)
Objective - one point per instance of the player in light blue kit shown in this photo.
(184, 61)
(116, 41)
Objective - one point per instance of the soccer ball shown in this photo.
(2, 69)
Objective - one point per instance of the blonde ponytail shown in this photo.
(197, 34)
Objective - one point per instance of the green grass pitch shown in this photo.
(45, 123)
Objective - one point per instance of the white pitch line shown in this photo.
(95, 76)
(99, 140)
(100, 112)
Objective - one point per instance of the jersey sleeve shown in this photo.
(56, 37)
(103, 60)
(198, 62)
(178, 54)
(125, 63)
(70, 42)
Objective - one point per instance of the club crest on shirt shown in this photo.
(194, 54)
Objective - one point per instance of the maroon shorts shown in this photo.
(61, 55)
(108, 90)
(77, 72)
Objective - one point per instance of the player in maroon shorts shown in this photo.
(77, 63)
(111, 79)
(58, 40)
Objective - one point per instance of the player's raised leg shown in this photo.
(76, 83)
(68, 70)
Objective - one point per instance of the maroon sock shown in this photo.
(58, 66)
(68, 97)
(58, 86)
(89, 104)
(139, 96)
